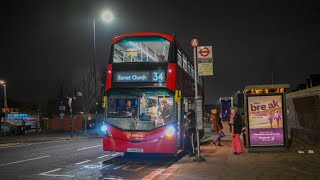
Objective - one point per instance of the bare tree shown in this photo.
(87, 85)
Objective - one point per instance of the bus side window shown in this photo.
(179, 57)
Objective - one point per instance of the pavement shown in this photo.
(298, 162)
(220, 163)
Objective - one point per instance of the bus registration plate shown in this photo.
(134, 150)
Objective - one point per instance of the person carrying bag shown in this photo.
(216, 127)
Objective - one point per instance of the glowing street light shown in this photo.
(107, 16)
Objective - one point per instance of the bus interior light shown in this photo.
(170, 131)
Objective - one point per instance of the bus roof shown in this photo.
(166, 36)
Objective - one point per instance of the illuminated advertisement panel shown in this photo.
(225, 108)
(265, 120)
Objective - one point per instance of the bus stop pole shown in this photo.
(199, 157)
(71, 123)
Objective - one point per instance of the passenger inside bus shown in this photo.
(152, 110)
(166, 111)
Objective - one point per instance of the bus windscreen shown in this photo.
(144, 112)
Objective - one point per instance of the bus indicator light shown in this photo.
(178, 96)
(104, 101)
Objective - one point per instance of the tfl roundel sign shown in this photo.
(204, 52)
(194, 43)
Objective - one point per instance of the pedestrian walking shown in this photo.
(190, 132)
(216, 127)
(236, 126)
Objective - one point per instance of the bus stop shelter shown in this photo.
(266, 122)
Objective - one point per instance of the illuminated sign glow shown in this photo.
(139, 76)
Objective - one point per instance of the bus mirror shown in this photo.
(178, 96)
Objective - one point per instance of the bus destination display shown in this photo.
(139, 76)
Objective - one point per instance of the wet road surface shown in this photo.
(77, 159)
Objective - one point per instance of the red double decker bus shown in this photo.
(143, 112)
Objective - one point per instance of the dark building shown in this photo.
(314, 80)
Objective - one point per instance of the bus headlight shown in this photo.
(170, 131)
(103, 129)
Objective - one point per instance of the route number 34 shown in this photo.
(158, 76)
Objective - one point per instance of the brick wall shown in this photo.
(57, 124)
(304, 117)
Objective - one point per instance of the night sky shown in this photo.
(43, 41)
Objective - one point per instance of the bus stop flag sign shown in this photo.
(205, 60)
(194, 43)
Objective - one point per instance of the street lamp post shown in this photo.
(107, 16)
(71, 118)
(5, 104)
(94, 69)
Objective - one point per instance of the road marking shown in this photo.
(126, 163)
(136, 166)
(112, 163)
(311, 151)
(156, 172)
(47, 173)
(23, 144)
(103, 156)
(88, 148)
(114, 154)
(83, 162)
(102, 167)
(171, 170)
(24, 160)
(9, 144)
(14, 145)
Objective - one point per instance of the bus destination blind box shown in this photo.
(139, 76)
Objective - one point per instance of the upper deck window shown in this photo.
(179, 56)
(141, 49)
(185, 63)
